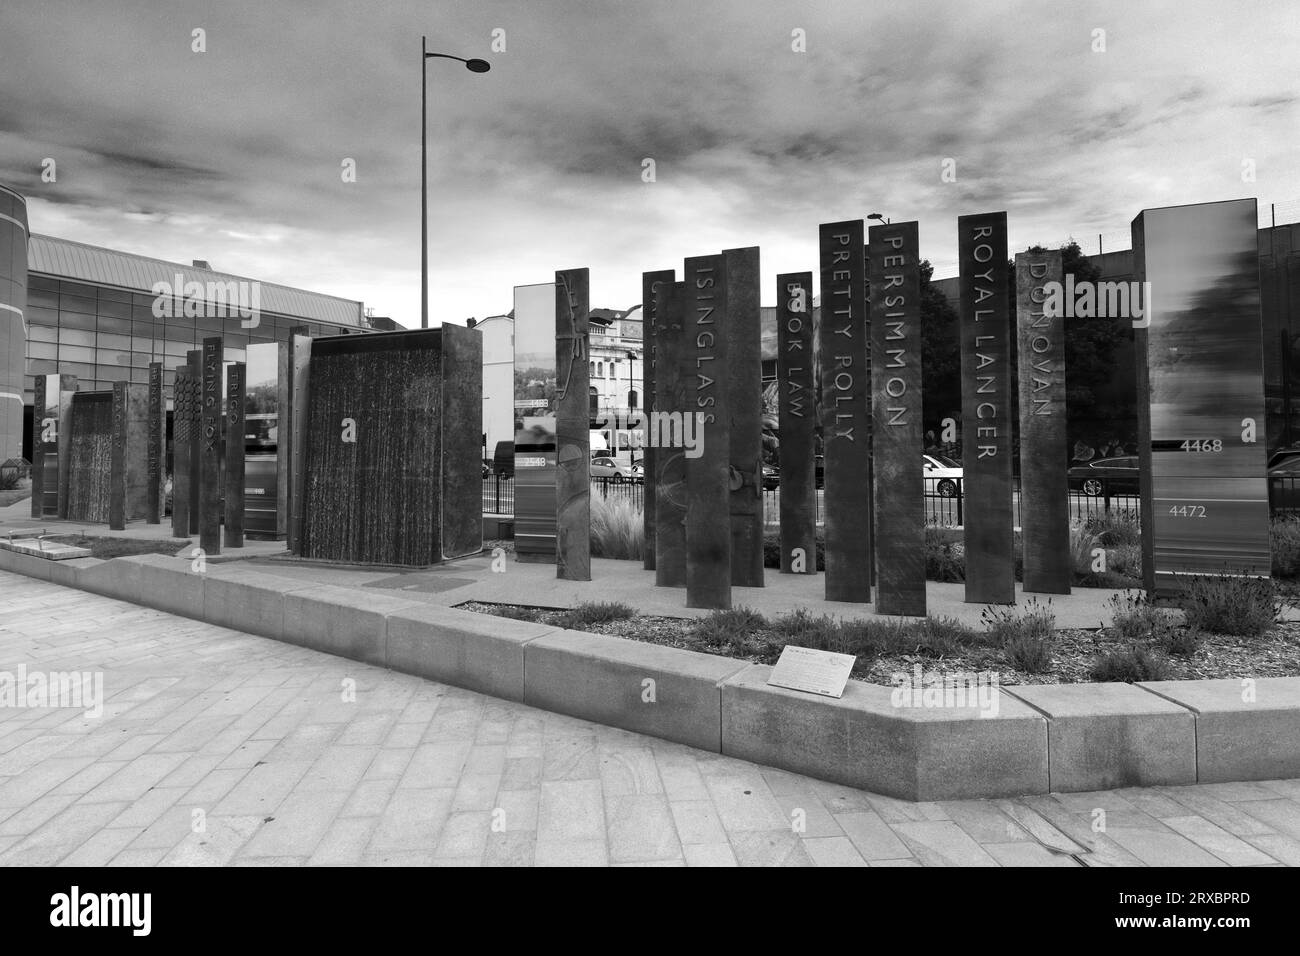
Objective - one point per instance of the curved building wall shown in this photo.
(13, 325)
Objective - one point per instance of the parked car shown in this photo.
(941, 475)
(487, 467)
(611, 469)
(1117, 476)
(771, 477)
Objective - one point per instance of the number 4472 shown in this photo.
(1188, 511)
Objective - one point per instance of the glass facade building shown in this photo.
(91, 313)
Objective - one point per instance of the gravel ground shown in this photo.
(1275, 654)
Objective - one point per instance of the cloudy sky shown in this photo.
(235, 154)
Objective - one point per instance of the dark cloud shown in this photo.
(238, 151)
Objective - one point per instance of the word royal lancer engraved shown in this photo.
(986, 409)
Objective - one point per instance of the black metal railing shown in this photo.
(944, 499)
(1284, 496)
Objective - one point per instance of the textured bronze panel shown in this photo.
(894, 270)
(797, 396)
(117, 461)
(846, 429)
(40, 429)
(670, 461)
(708, 476)
(157, 439)
(986, 409)
(572, 427)
(194, 358)
(236, 386)
(1044, 445)
(461, 488)
(210, 447)
(744, 377)
(651, 282)
(182, 445)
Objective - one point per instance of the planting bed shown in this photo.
(946, 649)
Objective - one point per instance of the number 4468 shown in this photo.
(1202, 444)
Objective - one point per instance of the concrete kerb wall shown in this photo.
(1043, 738)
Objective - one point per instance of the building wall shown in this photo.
(13, 331)
(103, 334)
(612, 373)
(498, 333)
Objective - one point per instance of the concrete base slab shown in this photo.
(24, 564)
(462, 648)
(868, 738)
(1245, 729)
(1104, 736)
(661, 691)
(168, 584)
(335, 620)
(247, 599)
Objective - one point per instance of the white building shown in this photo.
(498, 333)
(615, 368)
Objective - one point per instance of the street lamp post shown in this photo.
(876, 215)
(474, 66)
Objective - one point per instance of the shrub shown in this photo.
(732, 627)
(1105, 579)
(617, 528)
(802, 629)
(1227, 604)
(1125, 559)
(515, 613)
(1284, 537)
(594, 612)
(1134, 618)
(940, 632)
(1026, 637)
(1183, 641)
(10, 481)
(1115, 529)
(1132, 664)
(945, 560)
(1082, 541)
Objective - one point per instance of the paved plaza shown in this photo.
(219, 748)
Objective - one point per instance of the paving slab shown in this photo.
(274, 740)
